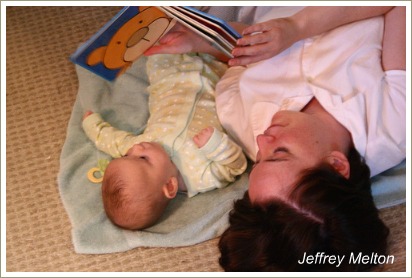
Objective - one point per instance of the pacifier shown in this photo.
(95, 174)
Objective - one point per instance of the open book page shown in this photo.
(216, 31)
(213, 22)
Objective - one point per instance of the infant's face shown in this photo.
(147, 162)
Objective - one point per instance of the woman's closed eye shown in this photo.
(281, 150)
(280, 154)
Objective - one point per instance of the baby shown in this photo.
(183, 148)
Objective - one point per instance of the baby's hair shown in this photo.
(127, 209)
(115, 197)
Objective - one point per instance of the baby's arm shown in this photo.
(107, 138)
(87, 114)
(203, 136)
(228, 160)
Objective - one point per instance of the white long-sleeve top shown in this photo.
(342, 70)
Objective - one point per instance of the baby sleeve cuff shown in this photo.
(213, 143)
(91, 121)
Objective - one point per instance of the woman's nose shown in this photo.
(264, 143)
(135, 149)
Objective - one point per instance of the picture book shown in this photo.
(215, 30)
(133, 30)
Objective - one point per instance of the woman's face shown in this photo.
(294, 141)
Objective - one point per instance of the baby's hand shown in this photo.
(203, 136)
(87, 114)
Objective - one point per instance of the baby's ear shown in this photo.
(340, 163)
(170, 187)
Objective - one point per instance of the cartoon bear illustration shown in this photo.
(131, 40)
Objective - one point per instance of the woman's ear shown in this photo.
(170, 188)
(340, 163)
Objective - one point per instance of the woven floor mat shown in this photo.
(41, 90)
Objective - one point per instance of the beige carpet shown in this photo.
(41, 90)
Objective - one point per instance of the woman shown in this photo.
(341, 98)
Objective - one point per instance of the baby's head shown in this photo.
(138, 186)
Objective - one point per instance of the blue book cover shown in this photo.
(133, 30)
(122, 40)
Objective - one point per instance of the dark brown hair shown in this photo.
(325, 213)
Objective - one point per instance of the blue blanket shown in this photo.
(187, 221)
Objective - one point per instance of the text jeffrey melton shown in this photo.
(354, 258)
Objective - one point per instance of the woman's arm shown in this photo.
(267, 39)
(394, 40)
(313, 21)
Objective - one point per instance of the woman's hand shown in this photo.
(264, 40)
(267, 39)
(179, 40)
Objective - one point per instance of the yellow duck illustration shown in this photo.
(131, 40)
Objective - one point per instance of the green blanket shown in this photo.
(123, 103)
(187, 221)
